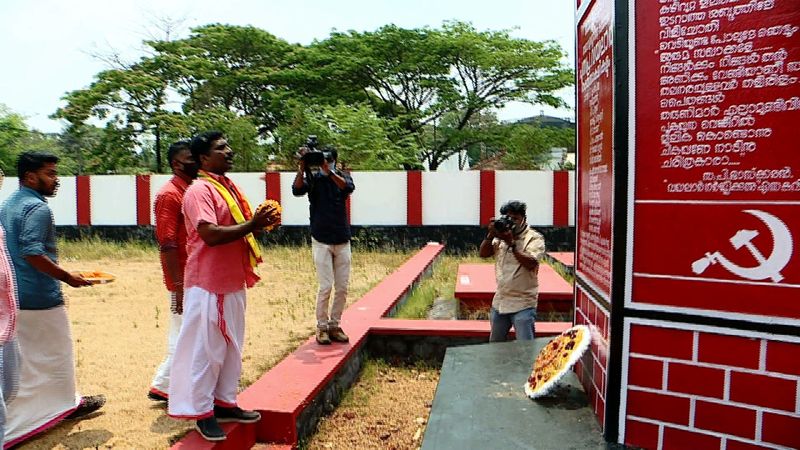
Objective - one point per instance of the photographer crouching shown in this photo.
(517, 249)
(327, 190)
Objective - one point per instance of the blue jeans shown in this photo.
(501, 324)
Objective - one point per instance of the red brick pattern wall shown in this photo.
(697, 388)
(592, 369)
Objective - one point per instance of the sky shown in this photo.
(50, 47)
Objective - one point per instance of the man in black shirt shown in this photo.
(327, 190)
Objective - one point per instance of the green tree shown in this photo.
(383, 96)
(95, 150)
(242, 134)
(360, 136)
(418, 76)
(130, 99)
(12, 132)
(482, 135)
(529, 146)
(235, 68)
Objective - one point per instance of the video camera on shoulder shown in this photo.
(503, 224)
(314, 157)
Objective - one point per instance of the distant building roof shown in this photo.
(548, 121)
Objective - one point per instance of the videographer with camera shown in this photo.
(517, 249)
(327, 190)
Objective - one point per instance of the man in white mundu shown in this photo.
(9, 350)
(47, 392)
(171, 237)
(222, 256)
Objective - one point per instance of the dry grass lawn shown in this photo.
(119, 330)
(387, 408)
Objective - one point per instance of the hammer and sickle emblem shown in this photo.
(767, 267)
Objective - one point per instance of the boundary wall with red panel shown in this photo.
(687, 233)
(381, 198)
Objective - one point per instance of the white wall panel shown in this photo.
(252, 186)
(10, 185)
(535, 188)
(65, 204)
(451, 198)
(156, 183)
(571, 198)
(380, 198)
(113, 199)
(295, 209)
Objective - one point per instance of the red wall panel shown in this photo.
(646, 372)
(661, 342)
(414, 198)
(677, 439)
(560, 198)
(739, 445)
(781, 429)
(641, 434)
(737, 421)
(691, 379)
(83, 191)
(663, 407)
(716, 348)
(764, 390)
(143, 206)
(783, 357)
(487, 193)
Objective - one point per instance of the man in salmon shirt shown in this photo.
(171, 237)
(222, 255)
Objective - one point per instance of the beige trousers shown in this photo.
(333, 274)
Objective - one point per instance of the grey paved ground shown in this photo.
(480, 404)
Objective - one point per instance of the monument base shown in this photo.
(480, 403)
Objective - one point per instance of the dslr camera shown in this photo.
(503, 224)
(314, 157)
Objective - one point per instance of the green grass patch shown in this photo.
(561, 269)
(441, 283)
(96, 248)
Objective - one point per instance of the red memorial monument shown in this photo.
(688, 226)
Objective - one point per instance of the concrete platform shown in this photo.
(565, 258)
(480, 404)
(476, 285)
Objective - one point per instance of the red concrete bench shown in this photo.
(456, 328)
(565, 258)
(476, 285)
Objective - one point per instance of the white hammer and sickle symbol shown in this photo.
(767, 267)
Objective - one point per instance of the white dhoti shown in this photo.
(9, 379)
(207, 362)
(160, 384)
(47, 392)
